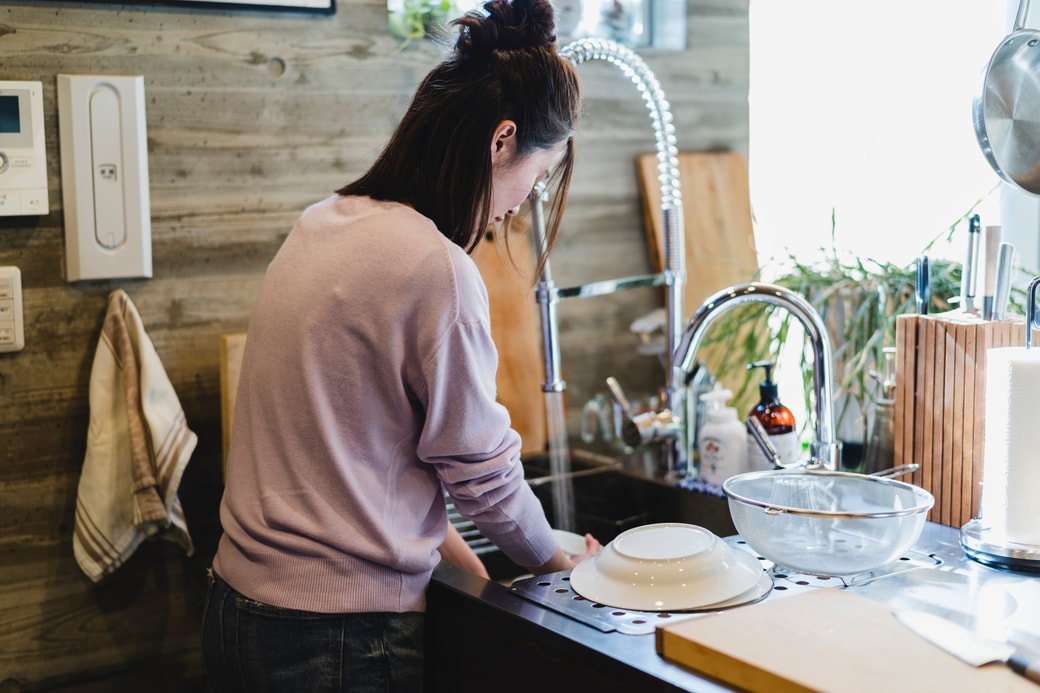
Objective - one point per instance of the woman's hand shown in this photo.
(561, 561)
(592, 547)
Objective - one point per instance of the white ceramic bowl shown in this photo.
(665, 567)
(572, 544)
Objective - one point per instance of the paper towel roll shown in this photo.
(1011, 462)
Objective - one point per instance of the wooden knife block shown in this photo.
(941, 403)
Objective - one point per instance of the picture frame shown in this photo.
(657, 24)
(308, 6)
(322, 6)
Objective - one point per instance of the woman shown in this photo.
(368, 382)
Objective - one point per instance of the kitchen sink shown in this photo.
(611, 494)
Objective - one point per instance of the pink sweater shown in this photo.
(368, 389)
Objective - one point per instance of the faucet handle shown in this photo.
(619, 396)
(630, 431)
(759, 435)
(644, 427)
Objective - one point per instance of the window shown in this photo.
(864, 108)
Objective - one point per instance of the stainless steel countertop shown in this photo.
(999, 603)
(941, 579)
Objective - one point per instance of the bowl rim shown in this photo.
(925, 500)
(594, 584)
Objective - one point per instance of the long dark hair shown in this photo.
(504, 66)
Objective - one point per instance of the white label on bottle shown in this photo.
(715, 467)
(786, 445)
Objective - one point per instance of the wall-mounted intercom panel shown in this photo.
(23, 155)
(104, 176)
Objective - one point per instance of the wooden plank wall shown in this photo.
(251, 116)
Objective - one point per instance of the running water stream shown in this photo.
(559, 462)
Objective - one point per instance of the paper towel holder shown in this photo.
(979, 541)
(1031, 311)
(981, 544)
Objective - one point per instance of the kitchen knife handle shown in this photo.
(1005, 260)
(969, 273)
(1031, 290)
(922, 287)
(990, 246)
(1025, 664)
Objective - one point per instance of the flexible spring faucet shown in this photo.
(670, 424)
(674, 275)
(660, 112)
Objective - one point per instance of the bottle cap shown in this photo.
(715, 399)
(767, 389)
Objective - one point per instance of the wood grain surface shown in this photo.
(252, 115)
(941, 405)
(508, 272)
(824, 641)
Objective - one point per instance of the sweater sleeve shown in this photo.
(467, 435)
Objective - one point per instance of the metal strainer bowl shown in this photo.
(826, 523)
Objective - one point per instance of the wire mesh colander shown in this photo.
(826, 523)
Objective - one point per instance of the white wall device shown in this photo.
(23, 154)
(104, 176)
(12, 332)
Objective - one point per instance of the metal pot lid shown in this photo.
(1007, 112)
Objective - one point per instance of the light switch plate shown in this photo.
(104, 172)
(12, 333)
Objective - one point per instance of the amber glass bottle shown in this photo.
(777, 420)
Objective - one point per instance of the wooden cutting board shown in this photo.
(823, 641)
(720, 239)
(720, 244)
(515, 329)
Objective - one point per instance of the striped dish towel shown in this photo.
(138, 445)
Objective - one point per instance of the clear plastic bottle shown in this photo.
(778, 422)
(722, 439)
(880, 454)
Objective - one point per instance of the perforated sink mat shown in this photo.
(554, 592)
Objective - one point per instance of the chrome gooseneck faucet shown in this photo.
(662, 425)
(674, 275)
(826, 449)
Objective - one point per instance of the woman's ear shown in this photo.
(503, 142)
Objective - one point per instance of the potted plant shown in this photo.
(859, 300)
(415, 19)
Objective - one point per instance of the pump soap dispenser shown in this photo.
(776, 419)
(722, 439)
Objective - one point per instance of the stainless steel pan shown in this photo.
(1007, 112)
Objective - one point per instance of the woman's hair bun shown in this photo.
(506, 25)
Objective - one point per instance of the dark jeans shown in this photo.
(254, 647)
